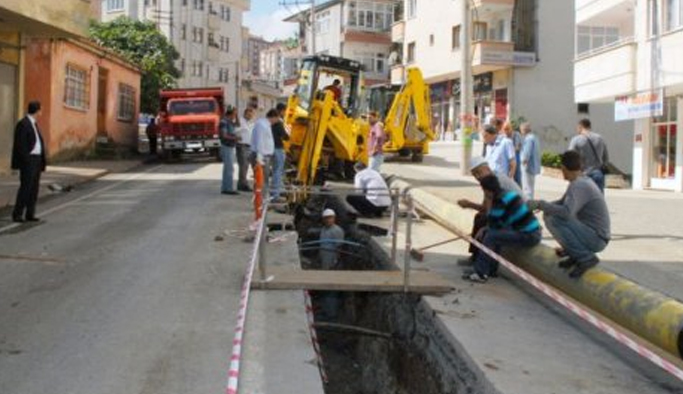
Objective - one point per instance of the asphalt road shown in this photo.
(124, 288)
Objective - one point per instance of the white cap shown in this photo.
(477, 161)
(328, 212)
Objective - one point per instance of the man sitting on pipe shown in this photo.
(375, 198)
(480, 169)
(510, 222)
(579, 221)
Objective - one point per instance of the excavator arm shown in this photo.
(408, 121)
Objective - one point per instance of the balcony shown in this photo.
(604, 73)
(492, 55)
(213, 53)
(608, 11)
(48, 17)
(494, 3)
(398, 31)
(214, 22)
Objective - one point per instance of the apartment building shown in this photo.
(522, 60)
(206, 33)
(629, 54)
(20, 20)
(358, 30)
(271, 62)
(255, 45)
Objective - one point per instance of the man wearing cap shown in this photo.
(480, 169)
(28, 156)
(500, 152)
(375, 198)
(331, 236)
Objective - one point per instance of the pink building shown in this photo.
(88, 94)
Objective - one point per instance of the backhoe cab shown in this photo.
(407, 115)
(325, 133)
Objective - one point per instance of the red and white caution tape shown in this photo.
(314, 336)
(235, 357)
(615, 332)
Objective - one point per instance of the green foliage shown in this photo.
(551, 159)
(144, 45)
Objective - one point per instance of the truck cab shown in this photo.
(189, 121)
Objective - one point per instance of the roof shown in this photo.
(321, 7)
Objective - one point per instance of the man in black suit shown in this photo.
(28, 156)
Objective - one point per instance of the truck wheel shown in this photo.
(417, 157)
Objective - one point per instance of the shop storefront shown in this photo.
(658, 154)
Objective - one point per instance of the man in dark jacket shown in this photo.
(28, 156)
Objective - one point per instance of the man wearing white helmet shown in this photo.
(480, 169)
(331, 237)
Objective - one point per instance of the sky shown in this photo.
(265, 19)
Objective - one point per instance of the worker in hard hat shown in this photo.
(331, 237)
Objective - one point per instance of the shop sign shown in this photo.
(638, 106)
(523, 59)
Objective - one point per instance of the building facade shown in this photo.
(206, 33)
(358, 30)
(21, 20)
(88, 95)
(255, 45)
(522, 61)
(629, 54)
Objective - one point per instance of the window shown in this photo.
(590, 38)
(183, 32)
(411, 52)
(583, 108)
(184, 3)
(182, 66)
(223, 75)
(199, 5)
(76, 88)
(225, 44)
(225, 13)
(322, 22)
(210, 40)
(369, 15)
(479, 31)
(455, 37)
(373, 62)
(412, 8)
(126, 102)
(114, 5)
(653, 17)
(197, 68)
(198, 34)
(212, 11)
(674, 14)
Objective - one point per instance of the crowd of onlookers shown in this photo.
(579, 221)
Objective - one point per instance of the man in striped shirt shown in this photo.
(510, 223)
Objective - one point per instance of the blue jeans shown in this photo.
(496, 239)
(518, 171)
(599, 178)
(278, 171)
(579, 241)
(228, 157)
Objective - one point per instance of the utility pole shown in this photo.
(288, 3)
(466, 104)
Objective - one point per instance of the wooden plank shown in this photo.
(287, 278)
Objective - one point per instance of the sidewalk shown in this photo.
(65, 175)
(647, 241)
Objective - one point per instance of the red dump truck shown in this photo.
(189, 121)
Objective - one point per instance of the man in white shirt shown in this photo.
(500, 152)
(262, 144)
(244, 130)
(375, 198)
(28, 156)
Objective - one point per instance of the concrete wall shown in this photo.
(72, 17)
(70, 132)
(544, 94)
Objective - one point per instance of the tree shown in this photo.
(144, 45)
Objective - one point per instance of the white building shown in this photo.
(358, 30)
(630, 54)
(271, 62)
(522, 59)
(206, 33)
